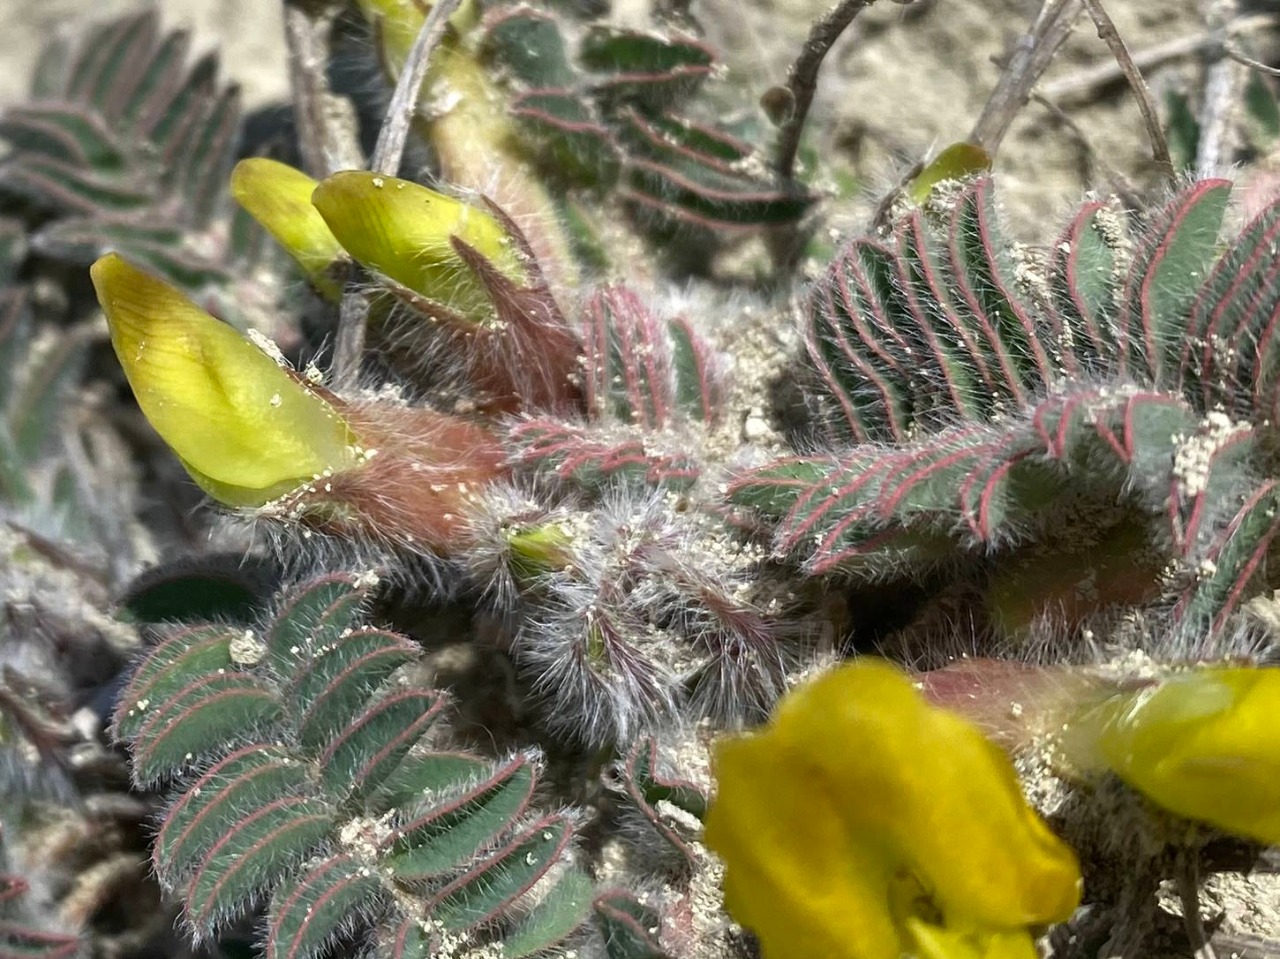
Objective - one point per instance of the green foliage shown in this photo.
(125, 147)
(616, 112)
(304, 776)
(222, 586)
(644, 786)
(641, 377)
(989, 395)
(628, 927)
(34, 378)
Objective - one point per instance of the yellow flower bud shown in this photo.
(537, 550)
(863, 823)
(1202, 744)
(279, 198)
(405, 230)
(245, 429)
(960, 161)
(466, 121)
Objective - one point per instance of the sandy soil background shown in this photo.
(249, 33)
(903, 81)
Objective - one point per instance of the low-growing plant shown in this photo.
(551, 549)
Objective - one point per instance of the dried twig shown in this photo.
(802, 79)
(1188, 880)
(1030, 58)
(1117, 182)
(389, 149)
(1244, 946)
(1087, 82)
(1239, 56)
(1111, 37)
(1034, 52)
(326, 123)
(1216, 120)
(353, 316)
(348, 342)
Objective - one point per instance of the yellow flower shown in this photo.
(405, 231)
(245, 429)
(1202, 744)
(279, 198)
(863, 823)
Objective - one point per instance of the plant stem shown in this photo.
(1111, 37)
(802, 78)
(389, 149)
(1031, 57)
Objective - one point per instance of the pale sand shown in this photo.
(248, 32)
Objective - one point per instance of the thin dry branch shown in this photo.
(1146, 104)
(348, 343)
(1094, 159)
(1188, 882)
(389, 149)
(1242, 58)
(1031, 57)
(802, 79)
(1087, 82)
(353, 316)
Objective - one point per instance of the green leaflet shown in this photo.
(302, 779)
(986, 391)
(444, 834)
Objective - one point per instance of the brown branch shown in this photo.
(1111, 37)
(1031, 57)
(1086, 82)
(802, 79)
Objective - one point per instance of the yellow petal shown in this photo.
(398, 23)
(937, 942)
(1202, 744)
(858, 790)
(245, 429)
(794, 875)
(404, 230)
(946, 795)
(279, 198)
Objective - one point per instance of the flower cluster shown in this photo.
(864, 823)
